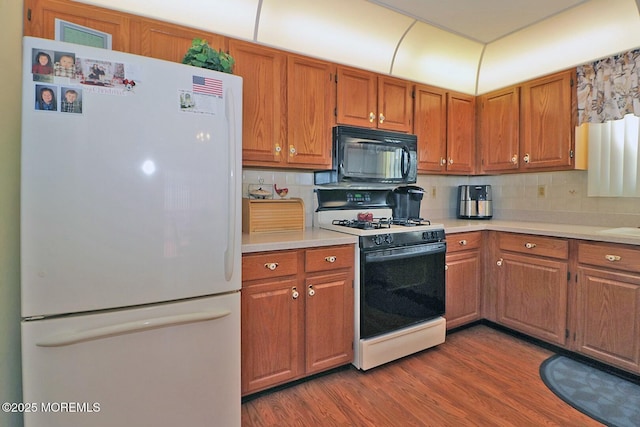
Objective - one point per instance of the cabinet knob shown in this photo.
(294, 293)
(529, 245)
(381, 118)
(462, 243)
(312, 291)
(372, 117)
(446, 267)
(443, 161)
(292, 151)
(526, 158)
(330, 258)
(278, 149)
(450, 161)
(271, 265)
(613, 258)
(514, 159)
(499, 262)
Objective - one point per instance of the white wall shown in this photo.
(10, 87)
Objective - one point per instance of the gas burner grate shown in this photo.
(410, 222)
(374, 224)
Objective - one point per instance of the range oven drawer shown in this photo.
(329, 258)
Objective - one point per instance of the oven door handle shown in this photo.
(406, 252)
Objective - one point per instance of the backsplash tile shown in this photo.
(515, 196)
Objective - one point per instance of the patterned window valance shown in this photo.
(608, 89)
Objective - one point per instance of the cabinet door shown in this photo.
(329, 321)
(430, 126)
(461, 133)
(608, 317)
(170, 42)
(310, 105)
(356, 102)
(40, 20)
(395, 106)
(272, 333)
(462, 288)
(548, 122)
(499, 118)
(264, 100)
(532, 296)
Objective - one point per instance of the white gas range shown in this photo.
(400, 295)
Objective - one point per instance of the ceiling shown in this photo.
(469, 46)
(481, 20)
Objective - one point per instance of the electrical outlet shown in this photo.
(542, 191)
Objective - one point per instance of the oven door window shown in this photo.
(399, 289)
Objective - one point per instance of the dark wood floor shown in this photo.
(478, 377)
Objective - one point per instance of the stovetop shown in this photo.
(365, 213)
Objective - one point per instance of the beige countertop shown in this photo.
(281, 240)
(601, 234)
(313, 237)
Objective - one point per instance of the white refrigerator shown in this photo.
(130, 240)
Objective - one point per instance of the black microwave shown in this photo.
(371, 156)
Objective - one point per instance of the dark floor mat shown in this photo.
(607, 398)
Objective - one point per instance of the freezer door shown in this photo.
(168, 365)
(135, 198)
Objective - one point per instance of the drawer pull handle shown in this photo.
(312, 291)
(529, 245)
(462, 243)
(499, 262)
(330, 258)
(613, 258)
(271, 265)
(294, 293)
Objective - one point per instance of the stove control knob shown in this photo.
(378, 240)
(426, 235)
(388, 238)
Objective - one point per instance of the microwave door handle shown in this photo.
(404, 166)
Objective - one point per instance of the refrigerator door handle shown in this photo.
(70, 338)
(229, 254)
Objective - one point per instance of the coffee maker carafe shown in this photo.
(406, 202)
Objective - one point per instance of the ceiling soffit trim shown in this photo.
(257, 26)
(395, 52)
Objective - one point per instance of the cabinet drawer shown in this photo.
(329, 258)
(611, 256)
(269, 264)
(463, 241)
(534, 245)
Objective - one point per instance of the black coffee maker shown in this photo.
(405, 202)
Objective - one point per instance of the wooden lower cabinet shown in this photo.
(608, 304)
(532, 276)
(328, 321)
(462, 276)
(297, 314)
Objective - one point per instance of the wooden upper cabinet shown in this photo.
(40, 15)
(370, 100)
(264, 101)
(499, 137)
(430, 126)
(170, 42)
(548, 120)
(461, 134)
(395, 105)
(310, 106)
(356, 99)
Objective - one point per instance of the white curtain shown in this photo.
(608, 109)
(614, 157)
